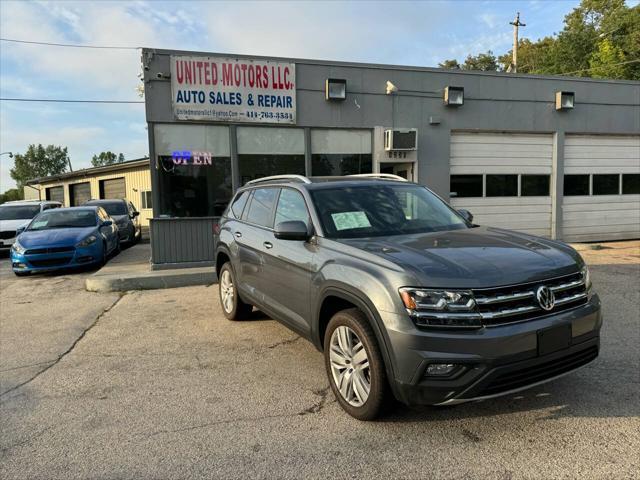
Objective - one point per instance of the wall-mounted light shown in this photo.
(454, 96)
(565, 100)
(391, 88)
(335, 89)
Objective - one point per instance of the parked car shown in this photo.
(405, 296)
(125, 215)
(65, 238)
(17, 214)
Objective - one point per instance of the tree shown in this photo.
(106, 158)
(39, 161)
(11, 195)
(450, 64)
(484, 62)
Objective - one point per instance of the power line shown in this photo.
(55, 100)
(50, 44)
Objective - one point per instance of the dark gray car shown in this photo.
(405, 296)
(126, 217)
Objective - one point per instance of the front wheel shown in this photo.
(232, 305)
(354, 365)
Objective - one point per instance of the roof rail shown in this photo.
(388, 176)
(300, 178)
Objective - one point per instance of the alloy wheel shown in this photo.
(227, 291)
(350, 366)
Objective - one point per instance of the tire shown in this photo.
(346, 331)
(22, 274)
(232, 305)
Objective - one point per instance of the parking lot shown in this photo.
(157, 384)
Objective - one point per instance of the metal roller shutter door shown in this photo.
(601, 217)
(113, 188)
(504, 153)
(55, 194)
(80, 193)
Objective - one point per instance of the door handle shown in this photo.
(268, 244)
(238, 234)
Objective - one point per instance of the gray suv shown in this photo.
(406, 297)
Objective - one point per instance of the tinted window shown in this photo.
(608, 184)
(63, 219)
(291, 206)
(630, 183)
(502, 185)
(466, 185)
(534, 185)
(19, 212)
(382, 210)
(112, 208)
(238, 204)
(261, 206)
(576, 185)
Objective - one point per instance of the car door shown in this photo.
(289, 264)
(251, 235)
(110, 232)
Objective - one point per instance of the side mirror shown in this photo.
(292, 230)
(135, 214)
(21, 229)
(466, 214)
(107, 223)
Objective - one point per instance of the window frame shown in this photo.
(593, 177)
(247, 207)
(622, 175)
(517, 178)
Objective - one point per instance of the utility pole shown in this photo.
(514, 62)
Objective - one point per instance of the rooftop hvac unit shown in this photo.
(406, 139)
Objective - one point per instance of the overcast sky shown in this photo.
(412, 33)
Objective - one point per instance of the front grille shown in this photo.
(40, 251)
(7, 234)
(502, 305)
(50, 262)
(522, 377)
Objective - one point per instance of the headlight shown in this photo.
(443, 308)
(90, 240)
(586, 276)
(19, 249)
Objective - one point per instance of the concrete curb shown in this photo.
(184, 277)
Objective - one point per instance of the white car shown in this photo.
(14, 215)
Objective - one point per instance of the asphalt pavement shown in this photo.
(157, 384)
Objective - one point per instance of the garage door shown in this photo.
(503, 179)
(113, 188)
(601, 188)
(55, 194)
(79, 193)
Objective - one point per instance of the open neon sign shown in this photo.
(188, 157)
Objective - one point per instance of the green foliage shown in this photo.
(600, 38)
(484, 62)
(450, 64)
(12, 195)
(106, 158)
(39, 161)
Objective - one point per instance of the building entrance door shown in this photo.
(402, 169)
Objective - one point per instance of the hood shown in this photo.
(473, 258)
(120, 218)
(12, 225)
(57, 237)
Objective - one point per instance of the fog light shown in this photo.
(440, 369)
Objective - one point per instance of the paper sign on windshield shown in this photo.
(349, 220)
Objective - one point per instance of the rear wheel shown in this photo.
(354, 365)
(232, 305)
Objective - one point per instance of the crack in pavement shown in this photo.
(26, 366)
(320, 404)
(68, 350)
(26, 441)
(285, 342)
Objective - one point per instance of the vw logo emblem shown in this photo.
(546, 298)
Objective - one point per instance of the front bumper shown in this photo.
(493, 361)
(74, 257)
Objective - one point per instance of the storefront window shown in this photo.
(265, 151)
(340, 152)
(194, 165)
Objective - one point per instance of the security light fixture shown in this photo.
(391, 88)
(565, 100)
(453, 96)
(335, 89)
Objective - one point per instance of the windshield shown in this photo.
(18, 212)
(64, 219)
(112, 208)
(382, 210)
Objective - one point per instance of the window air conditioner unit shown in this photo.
(401, 139)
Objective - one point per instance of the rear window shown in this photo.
(112, 208)
(261, 207)
(19, 212)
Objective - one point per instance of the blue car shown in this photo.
(64, 238)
